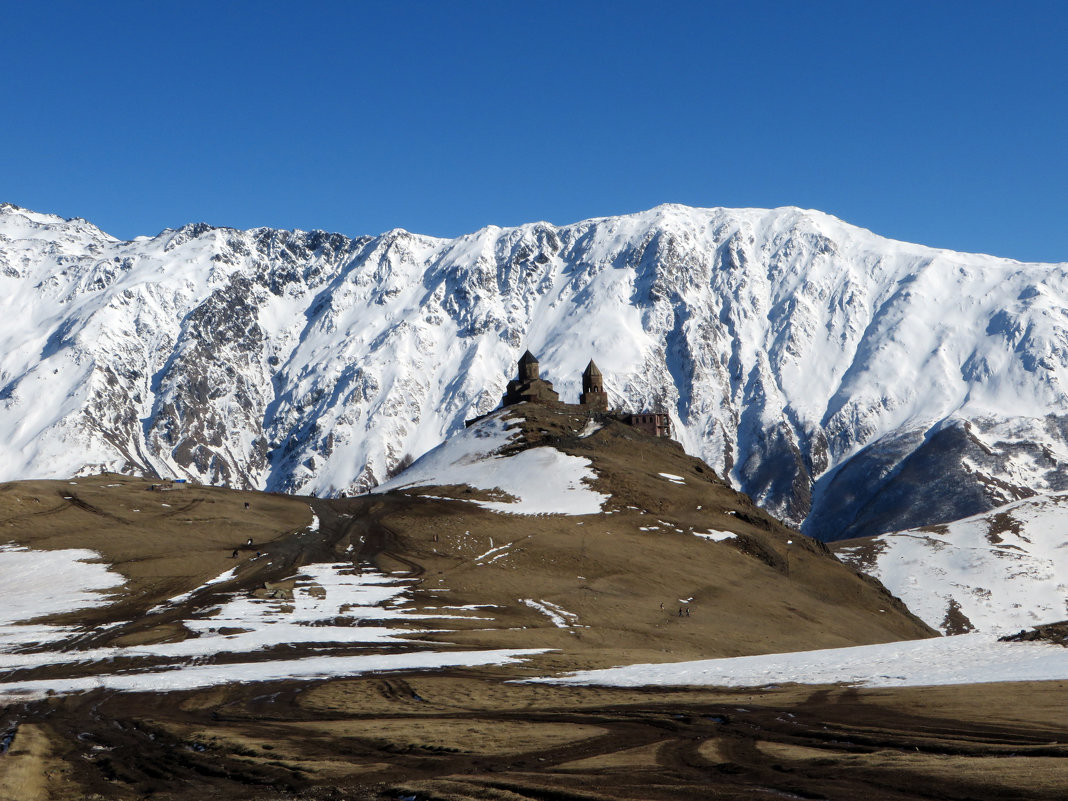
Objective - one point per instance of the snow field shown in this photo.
(1006, 569)
(965, 659)
(842, 333)
(329, 608)
(40, 583)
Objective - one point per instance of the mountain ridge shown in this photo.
(827, 371)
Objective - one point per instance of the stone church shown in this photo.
(593, 395)
(528, 386)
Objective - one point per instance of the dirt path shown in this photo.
(77, 501)
(25, 766)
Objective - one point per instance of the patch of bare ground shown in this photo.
(861, 553)
(1001, 523)
(938, 529)
(955, 621)
(1050, 632)
(28, 769)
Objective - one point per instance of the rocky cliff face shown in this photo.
(847, 382)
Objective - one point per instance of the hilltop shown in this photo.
(643, 524)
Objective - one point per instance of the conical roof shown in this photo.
(528, 358)
(591, 369)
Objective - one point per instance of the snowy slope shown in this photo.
(969, 659)
(842, 379)
(473, 458)
(998, 572)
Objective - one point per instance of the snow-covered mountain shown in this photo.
(842, 379)
(996, 573)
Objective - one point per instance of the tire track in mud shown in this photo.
(184, 508)
(375, 537)
(51, 510)
(742, 769)
(79, 503)
(698, 750)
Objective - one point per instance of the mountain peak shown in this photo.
(13, 210)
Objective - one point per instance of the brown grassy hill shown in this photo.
(767, 589)
(619, 578)
(164, 542)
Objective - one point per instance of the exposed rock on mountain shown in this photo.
(846, 381)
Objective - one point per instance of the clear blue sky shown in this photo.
(936, 122)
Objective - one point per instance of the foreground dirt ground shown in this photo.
(472, 735)
(483, 733)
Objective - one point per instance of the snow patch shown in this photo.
(967, 659)
(331, 605)
(193, 677)
(716, 536)
(538, 480)
(560, 617)
(591, 427)
(185, 596)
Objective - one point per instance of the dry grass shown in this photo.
(163, 543)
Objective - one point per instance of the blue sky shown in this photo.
(942, 123)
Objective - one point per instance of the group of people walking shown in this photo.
(684, 611)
